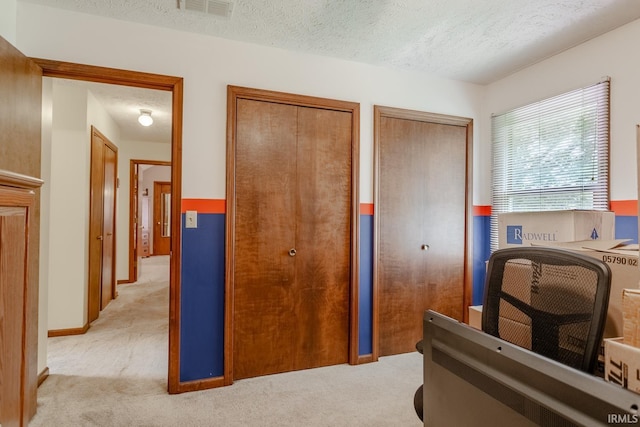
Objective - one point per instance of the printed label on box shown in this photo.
(622, 364)
(550, 227)
(618, 373)
(516, 235)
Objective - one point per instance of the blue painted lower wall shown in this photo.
(365, 316)
(627, 228)
(203, 274)
(202, 299)
(481, 252)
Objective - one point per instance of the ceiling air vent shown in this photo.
(212, 7)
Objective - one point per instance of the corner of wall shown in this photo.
(8, 20)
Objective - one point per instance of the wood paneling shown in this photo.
(20, 112)
(422, 214)
(16, 386)
(13, 257)
(20, 141)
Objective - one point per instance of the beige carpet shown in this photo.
(115, 375)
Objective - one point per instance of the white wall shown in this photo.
(68, 213)
(209, 64)
(8, 11)
(614, 54)
(98, 117)
(74, 111)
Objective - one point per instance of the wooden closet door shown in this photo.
(292, 238)
(96, 212)
(323, 236)
(109, 228)
(102, 232)
(266, 310)
(421, 242)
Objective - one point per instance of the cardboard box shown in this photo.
(516, 229)
(475, 316)
(622, 364)
(516, 273)
(515, 332)
(625, 274)
(631, 316)
(518, 281)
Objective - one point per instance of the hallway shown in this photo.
(116, 375)
(129, 339)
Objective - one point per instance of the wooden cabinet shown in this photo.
(144, 243)
(17, 198)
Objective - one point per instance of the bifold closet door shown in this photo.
(323, 235)
(421, 209)
(292, 238)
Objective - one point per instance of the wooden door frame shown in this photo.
(398, 113)
(133, 214)
(156, 197)
(234, 93)
(67, 70)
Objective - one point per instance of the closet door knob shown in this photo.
(425, 247)
(292, 252)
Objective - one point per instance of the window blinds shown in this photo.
(552, 155)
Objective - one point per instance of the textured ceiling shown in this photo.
(477, 41)
(123, 104)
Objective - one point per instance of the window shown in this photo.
(552, 155)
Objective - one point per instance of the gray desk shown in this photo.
(474, 379)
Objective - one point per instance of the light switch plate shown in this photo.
(191, 219)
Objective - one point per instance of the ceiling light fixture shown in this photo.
(145, 118)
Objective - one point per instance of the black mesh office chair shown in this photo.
(551, 301)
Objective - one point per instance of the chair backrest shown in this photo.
(551, 301)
